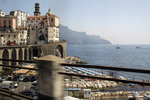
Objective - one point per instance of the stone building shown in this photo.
(7, 23)
(18, 37)
(12, 28)
(44, 28)
(2, 13)
(23, 29)
(37, 10)
(20, 17)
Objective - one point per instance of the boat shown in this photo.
(138, 47)
(117, 47)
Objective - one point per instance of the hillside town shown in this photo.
(19, 28)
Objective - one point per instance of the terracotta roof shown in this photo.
(41, 16)
(35, 16)
(8, 16)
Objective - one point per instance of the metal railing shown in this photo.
(106, 78)
(146, 71)
(88, 66)
(14, 95)
(110, 68)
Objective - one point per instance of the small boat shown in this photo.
(138, 47)
(117, 47)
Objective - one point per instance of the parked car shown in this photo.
(21, 77)
(26, 79)
(28, 93)
(16, 78)
(11, 88)
(30, 78)
(15, 84)
(4, 78)
(33, 78)
(7, 85)
(10, 78)
(34, 88)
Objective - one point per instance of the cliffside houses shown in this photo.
(9, 31)
(44, 28)
(20, 29)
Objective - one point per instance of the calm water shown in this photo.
(126, 56)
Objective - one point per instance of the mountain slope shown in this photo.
(74, 37)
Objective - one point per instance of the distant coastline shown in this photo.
(74, 37)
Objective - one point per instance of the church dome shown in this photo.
(49, 12)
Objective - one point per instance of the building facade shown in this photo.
(7, 23)
(20, 18)
(12, 28)
(18, 37)
(2, 13)
(22, 29)
(44, 27)
(37, 10)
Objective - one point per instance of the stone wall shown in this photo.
(27, 52)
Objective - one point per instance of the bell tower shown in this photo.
(37, 9)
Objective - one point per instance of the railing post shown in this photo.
(50, 83)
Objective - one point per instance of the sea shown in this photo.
(127, 56)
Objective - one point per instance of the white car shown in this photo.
(15, 84)
(21, 77)
(10, 87)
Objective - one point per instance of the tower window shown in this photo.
(52, 19)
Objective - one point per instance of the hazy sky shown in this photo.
(120, 21)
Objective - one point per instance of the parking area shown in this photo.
(23, 86)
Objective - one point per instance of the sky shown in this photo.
(119, 21)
